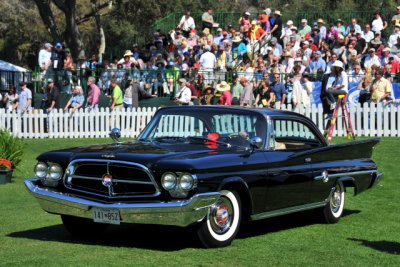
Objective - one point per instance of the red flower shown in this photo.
(5, 164)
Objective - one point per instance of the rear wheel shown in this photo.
(334, 208)
(81, 226)
(222, 223)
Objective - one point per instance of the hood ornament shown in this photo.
(115, 134)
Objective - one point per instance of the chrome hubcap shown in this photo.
(221, 216)
(336, 199)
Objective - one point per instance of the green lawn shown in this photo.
(368, 234)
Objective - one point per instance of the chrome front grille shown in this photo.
(110, 178)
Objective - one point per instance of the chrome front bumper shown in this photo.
(179, 213)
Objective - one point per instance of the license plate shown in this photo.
(110, 216)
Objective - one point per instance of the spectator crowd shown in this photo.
(264, 62)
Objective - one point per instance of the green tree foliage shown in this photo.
(22, 31)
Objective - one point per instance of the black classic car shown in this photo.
(207, 167)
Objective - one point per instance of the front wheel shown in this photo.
(222, 223)
(82, 227)
(334, 208)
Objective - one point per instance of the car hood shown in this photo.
(145, 153)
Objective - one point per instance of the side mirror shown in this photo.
(115, 134)
(256, 142)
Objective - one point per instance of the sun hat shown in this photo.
(223, 86)
(277, 12)
(128, 53)
(206, 31)
(289, 22)
(236, 39)
(338, 64)
(182, 80)
(48, 45)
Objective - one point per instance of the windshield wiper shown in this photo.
(205, 139)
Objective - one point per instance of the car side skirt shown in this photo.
(284, 211)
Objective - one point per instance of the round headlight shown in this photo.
(55, 172)
(186, 182)
(168, 181)
(41, 170)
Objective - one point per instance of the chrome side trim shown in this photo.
(284, 211)
(70, 167)
(341, 174)
(178, 213)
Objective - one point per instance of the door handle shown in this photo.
(307, 160)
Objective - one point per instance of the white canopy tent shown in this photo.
(11, 74)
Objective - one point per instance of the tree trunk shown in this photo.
(72, 33)
(48, 18)
(102, 45)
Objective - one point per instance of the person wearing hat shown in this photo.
(337, 84)
(377, 44)
(287, 32)
(238, 47)
(186, 24)
(127, 59)
(339, 27)
(44, 58)
(225, 91)
(184, 95)
(263, 18)
(57, 63)
(53, 97)
(255, 33)
(244, 20)
(322, 31)
(208, 95)
(276, 30)
(372, 59)
(218, 37)
(207, 36)
(304, 29)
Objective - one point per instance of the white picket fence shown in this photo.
(367, 121)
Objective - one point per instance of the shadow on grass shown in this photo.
(281, 223)
(383, 246)
(167, 238)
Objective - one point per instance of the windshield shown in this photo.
(233, 127)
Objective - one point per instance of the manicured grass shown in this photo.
(368, 234)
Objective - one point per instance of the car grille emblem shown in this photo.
(108, 182)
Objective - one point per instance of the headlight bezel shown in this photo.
(44, 170)
(173, 183)
(184, 183)
(49, 173)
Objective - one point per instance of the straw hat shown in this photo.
(223, 86)
(277, 12)
(236, 39)
(206, 31)
(128, 53)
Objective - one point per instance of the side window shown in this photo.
(290, 134)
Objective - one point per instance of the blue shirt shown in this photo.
(279, 90)
(77, 100)
(315, 65)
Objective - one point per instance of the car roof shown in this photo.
(265, 112)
